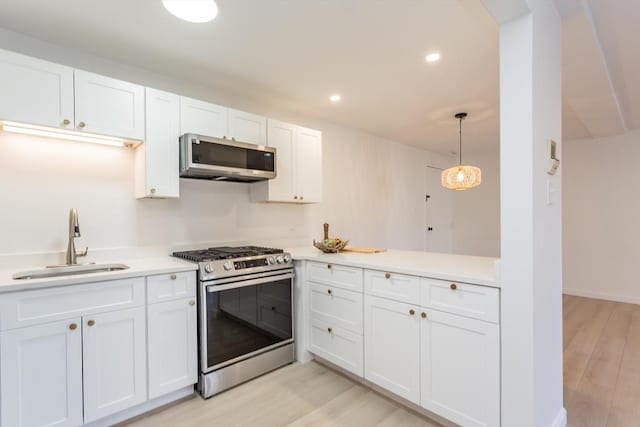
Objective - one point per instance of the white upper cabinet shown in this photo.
(115, 362)
(282, 137)
(203, 118)
(35, 91)
(247, 127)
(108, 106)
(298, 165)
(41, 375)
(308, 165)
(157, 160)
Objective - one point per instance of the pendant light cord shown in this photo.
(460, 140)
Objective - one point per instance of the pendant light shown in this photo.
(462, 176)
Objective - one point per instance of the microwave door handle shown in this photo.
(244, 283)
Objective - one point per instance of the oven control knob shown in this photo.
(208, 268)
(228, 265)
(279, 259)
(287, 259)
(272, 260)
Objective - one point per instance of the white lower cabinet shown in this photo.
(392, 346)
(114, 355)
(339, 346)
(76, 354)
(172, 346)
(41, 375)
(431, 342)
(460, 369)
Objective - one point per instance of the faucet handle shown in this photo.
(82, 253)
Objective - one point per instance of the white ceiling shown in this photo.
(297, 53)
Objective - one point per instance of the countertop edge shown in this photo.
(168, 265)
(426, 273)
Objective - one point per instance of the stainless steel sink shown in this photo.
(68, 270)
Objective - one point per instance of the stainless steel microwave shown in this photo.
(219, 159)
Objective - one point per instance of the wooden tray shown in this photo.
(363, 249)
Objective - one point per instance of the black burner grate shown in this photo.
(225, 252)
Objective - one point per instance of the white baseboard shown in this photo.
(601, 295)
(561, 419)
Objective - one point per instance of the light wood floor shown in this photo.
(601, 363)
(297, 395)
(601, 376)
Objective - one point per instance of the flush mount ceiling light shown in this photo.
(432, 57)
(335, 97)
(197, 11)
(461, 177)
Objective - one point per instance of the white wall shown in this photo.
(476, 212)
(373, 188)
(602, 217)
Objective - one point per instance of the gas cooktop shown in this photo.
(225, 252)
(226, 261)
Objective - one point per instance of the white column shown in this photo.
(531, 214)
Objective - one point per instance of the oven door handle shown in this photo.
(252, 282)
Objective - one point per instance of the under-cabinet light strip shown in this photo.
(46, 132)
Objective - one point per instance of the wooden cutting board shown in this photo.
(363, 249)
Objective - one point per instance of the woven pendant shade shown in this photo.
(461, 177)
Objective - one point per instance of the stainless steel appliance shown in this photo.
(222, 159)
(245, 314)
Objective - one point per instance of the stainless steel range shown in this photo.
(245, 314)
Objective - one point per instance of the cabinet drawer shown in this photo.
(171, 286)
(337, 306)
(338, 346)
(27, 308)
(474, 301)
(340, 276)
(398, 287)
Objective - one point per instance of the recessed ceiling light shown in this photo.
(433, 57)
(197, 11)
(335, 98)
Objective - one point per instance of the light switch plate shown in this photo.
(554, 162)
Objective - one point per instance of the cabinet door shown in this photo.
(392, 346)
(282, 137)
(308, 165)
(247, 127)
(203, 118)
(160, 167)
(461, 369)
(114, 348)
(41, 371)
(108, 106)
(35, 91)
(172, 346)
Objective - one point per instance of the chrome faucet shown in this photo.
(74, 231)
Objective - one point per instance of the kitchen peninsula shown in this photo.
(422, 326)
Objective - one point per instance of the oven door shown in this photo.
(243, 318)
(215, 158)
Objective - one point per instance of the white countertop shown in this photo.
(137, 268)
(457, 268)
